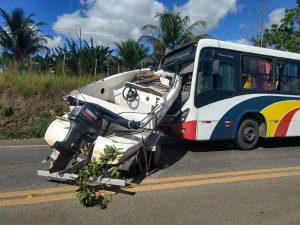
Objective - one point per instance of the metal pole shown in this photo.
(64, 61)
(95, 70)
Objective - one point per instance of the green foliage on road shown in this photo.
(88, 193)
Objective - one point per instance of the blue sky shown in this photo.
(109, 21)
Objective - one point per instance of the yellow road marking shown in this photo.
(33, 200)
(212, 175)
(211, 181)
(38, 191)
(148, 181)
(48, 198)
(246, 176)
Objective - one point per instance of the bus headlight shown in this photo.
(184, 115)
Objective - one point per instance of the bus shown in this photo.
(234, 92)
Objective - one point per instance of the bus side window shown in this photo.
(256, 73)
(288, 76)
(206, 79)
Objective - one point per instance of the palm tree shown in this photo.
(131, 54)
(172, 31)
(20, 35)
(258, 42)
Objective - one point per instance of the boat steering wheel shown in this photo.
(131, 94)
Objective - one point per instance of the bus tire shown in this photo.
(247, 135)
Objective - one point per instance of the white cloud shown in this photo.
(275, 16)
(211, 11)
(116, 20)
(243, 41)
(109, 21)
(54, 42)
(243, 26)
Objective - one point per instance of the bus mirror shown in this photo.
(215, 66)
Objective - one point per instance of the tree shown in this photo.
(286, 35)
(260, 23)
(131, 54)
(172, 31)
(76, 60)
(20, 35)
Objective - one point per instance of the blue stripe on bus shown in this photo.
(256, 104)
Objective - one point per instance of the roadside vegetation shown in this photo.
(28, 103)
(33, 78)
(36, 78)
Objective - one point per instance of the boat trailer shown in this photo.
(68, 175)
(71, 177)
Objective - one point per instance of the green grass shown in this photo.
(30, 102)
(37, 129)
(6, 110)
(42, 84)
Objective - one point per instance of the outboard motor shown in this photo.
(68, 135)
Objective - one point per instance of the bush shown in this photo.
(15, 133)
(40, 125)
(6, 111)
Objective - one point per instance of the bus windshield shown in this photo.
(173, 60)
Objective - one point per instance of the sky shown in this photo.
(111, 21)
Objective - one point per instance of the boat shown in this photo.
(122, 110)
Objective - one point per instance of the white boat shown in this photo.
(122, 110)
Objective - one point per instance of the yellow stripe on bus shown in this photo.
(275, 112)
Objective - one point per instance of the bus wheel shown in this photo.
(247, 135)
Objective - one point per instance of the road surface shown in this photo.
(203, 183)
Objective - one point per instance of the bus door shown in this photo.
(215, 82)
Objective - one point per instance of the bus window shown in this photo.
(287, 76)
(256, 73)
(223, 80)
(225, 76)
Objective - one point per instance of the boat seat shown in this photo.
(144, 89)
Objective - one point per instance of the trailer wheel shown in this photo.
(156, 155)
(247, 135)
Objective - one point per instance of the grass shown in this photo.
(43, 84)
(36, 129)
(6, 110)
(29, 102)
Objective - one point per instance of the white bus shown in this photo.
(234, 92)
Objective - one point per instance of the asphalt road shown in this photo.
(203, 183)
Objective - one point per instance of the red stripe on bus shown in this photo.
(283, 126)
(186, 130)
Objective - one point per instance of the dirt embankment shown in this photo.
(19, 115)
(29, 102)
